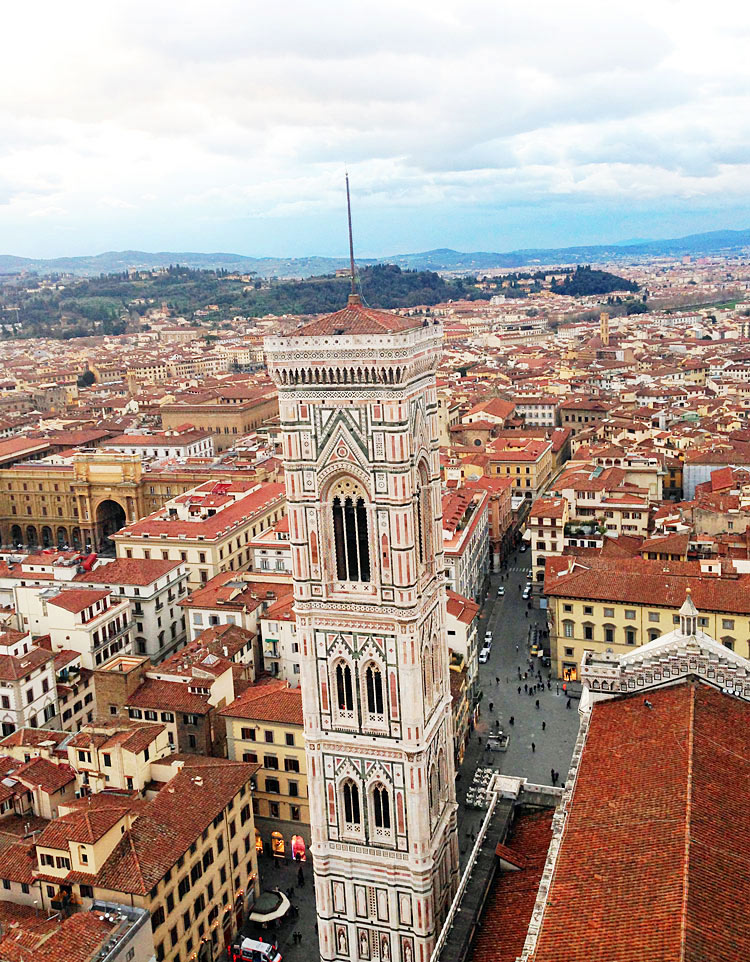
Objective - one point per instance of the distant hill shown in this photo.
(442, 259)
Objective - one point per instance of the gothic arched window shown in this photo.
(350, 532)
(427, 677)
(352, 813)
(381, 806)
(434, 790)
(374, 690)
(423, 517)
(344, 691)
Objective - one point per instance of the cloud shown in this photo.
(120, 120)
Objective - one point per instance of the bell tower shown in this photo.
(358, 407)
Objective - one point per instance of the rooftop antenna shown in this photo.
(353, 297)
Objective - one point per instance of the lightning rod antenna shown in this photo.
(351, 240)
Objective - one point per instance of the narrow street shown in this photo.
(551, 729)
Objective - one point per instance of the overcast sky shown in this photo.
(493, 125)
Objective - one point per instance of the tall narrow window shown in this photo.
(374, 685)
(427, 677)
(338, 535)
(350, 533)
(344, 687)
(351, 803)
(363, 542)
(381, 806)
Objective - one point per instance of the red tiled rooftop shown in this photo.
(511, 902)
(268, 702)
(77, 599)
(355, 318)
(655, 856)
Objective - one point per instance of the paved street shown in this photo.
(507, 619)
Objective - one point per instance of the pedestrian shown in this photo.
(552, 775)
(516, 647)
(549, 685)
(568, 705)
(492, 706)
(557, 689)
(519, 689)
(301, 878)
(526, 614)
(525, 688)
(533, 747)
(544, 726)
(511, 720)
(537, 704)
(497, 679)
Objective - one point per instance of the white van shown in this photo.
(252, 950)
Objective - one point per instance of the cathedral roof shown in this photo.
(659, 815)
(355, 318)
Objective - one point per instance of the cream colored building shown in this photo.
(597, 604)
(264, 727)
(187, 857)
(208, 528)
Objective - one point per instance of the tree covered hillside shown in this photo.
(584, 281)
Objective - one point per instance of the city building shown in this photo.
(28, 696)
(182, 442)
(546, 523)
(358, 408)
(187, 857)
(226, 415)
(598, 603)
(185, 693)
(96, 623)
(526, 461)
(155, 587)
(466, 541)
(208, 528)
(265, 728)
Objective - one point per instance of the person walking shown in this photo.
(533, 747)
(552, 775)
(525, 689)
(519, 689)
(537, 704)
(544, 726)
(497, 679)
(511, 720)
(492, 706)
(568, 705)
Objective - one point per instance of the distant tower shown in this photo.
(604, 328)
(358, 406)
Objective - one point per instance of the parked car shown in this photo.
(488, 639)
(501, 591)
(484, 655)
(526, 594)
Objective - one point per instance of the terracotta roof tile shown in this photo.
(268, 702)
(355, 318)
(655, 854)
